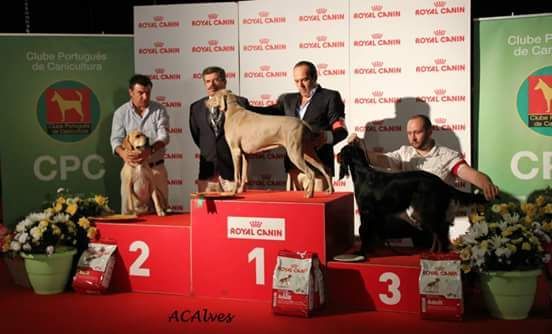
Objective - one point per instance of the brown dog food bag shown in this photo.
(440, 287)
(298, 284)
(95, 268)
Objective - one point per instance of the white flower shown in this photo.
(503, 251)
(22, 237)
(50, 250)
(479, 230)
(27, 247)
(60, 190)
(60, 218)
(15, 245)
(36, 233)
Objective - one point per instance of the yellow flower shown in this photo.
(476, 218)
(548, 208)
(466, 268)
(56, 230)
(507, 232)
(495, 208)
(43, 224)
(91, 234)
(58, 207)
(72, 209)
(512, 248)
(465, 254)
(540, 200)
(84, 223)
(60, 200)
(526, 246)
(493, 225)
(517, 241)
(101, 200)
(484, 245)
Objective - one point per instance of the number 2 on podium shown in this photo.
(257, 254)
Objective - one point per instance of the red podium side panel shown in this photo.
(153, 254)
(381, 284)
(235, 242)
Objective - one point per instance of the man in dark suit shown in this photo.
(323, 110)
(216, 171)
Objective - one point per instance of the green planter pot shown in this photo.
(509, 294)
(49, 274)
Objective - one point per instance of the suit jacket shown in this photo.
(325, 108)
(215, 156)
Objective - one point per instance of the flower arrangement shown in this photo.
(63, 221)
(506, 235)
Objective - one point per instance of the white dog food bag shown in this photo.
(441, 287)
(298, 284)
(95, 268)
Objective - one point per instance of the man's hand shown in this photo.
(133, 157)
(480, 180)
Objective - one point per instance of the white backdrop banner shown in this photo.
(389, 59)
(172, 45)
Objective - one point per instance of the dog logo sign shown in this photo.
(68, 111)
(534, 101)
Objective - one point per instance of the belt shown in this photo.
(158, 162)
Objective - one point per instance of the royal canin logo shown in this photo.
(325, 70)
(440, 96)
(376, 12)
(229, 75)
(322, 42)
(339, 183)
(265, 45)
(440, 65)
(159, 47)
(264, 17)
(176, 182)
(175, 130)
(168, 103)
(158, 22)
(378, 68)
(264, 72)
(265, 100)
(212, 19)
(440, 8)
(255, 224)
(378, 126)
(377, 40)
(440, 36)
(213, 46)
(440, 124)
(321, 14)
(161, 74)
(377, 97)
(269, 155)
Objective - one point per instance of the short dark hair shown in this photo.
(214, 69)
(139, 79)
(312, 72)
(425, 119)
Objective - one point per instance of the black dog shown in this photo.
(381, 194)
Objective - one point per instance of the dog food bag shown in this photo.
(94, 268)
(297, 284)
(441, 287)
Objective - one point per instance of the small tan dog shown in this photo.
(66, 105)
(249, 132)
(137, 182)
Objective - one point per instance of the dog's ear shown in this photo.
(127, 146)
(223, 102)
(343, 165)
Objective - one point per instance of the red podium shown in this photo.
(236, 241)
(153, 253)
(381, 283)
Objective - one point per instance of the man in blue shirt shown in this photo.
(152, 119)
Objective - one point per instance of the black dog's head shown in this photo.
(350, 155)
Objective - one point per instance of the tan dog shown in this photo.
(66, 105)
(249, 132)
(546, 93)
(137, 182)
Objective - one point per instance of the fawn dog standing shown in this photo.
(248, 132)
